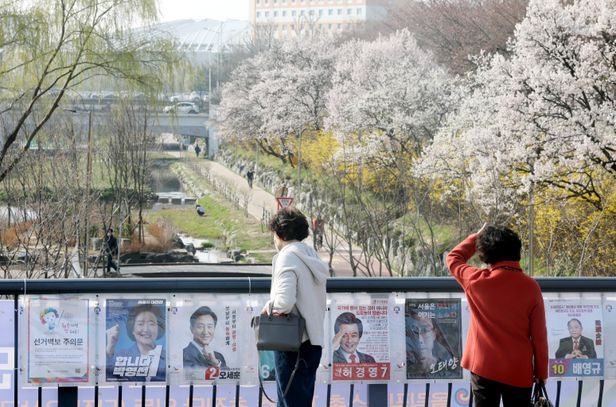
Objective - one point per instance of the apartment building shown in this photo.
(294, 17)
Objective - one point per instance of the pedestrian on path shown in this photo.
(197, 149)
(250, 175)
(507, 347)
(111, 249)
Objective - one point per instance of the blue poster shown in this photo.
(135, 345)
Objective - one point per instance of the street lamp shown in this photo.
(88, 188)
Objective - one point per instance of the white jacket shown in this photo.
(299, 280)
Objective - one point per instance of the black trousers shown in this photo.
(488, 393)
(301, 390)
(110, 264)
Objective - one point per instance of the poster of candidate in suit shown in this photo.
(360, 341)
(575, 338)
(135, 346)
(433, 338)
(205, 346)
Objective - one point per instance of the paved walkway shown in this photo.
(262, 200)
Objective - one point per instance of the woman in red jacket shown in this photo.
(506, 347)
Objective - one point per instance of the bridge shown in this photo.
(54, 339)
(190, 126)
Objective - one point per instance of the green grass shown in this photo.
(223, 224)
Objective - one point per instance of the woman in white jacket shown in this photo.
(299, 280)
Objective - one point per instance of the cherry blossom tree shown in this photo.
(279, 93)
(388, 90)
(545, 117)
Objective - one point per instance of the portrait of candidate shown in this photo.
(198, 353)
(145, 325)
(348, 331)
(426, 346)
(576, 346)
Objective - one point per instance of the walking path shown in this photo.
(262, 203)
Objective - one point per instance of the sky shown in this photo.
(201, 9)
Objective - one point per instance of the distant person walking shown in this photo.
(317, 232)
(111, 250)
(250, 175)
(507, 348)
(197, 149)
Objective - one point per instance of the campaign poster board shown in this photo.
(360, 338)
(575, 338)
(433, 334)
(135, 340)
(57, 340)
(205, 345)
(609, 336)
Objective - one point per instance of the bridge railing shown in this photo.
(63, 358)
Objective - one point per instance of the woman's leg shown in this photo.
(486, 392)
(516, 396)
(301, 390)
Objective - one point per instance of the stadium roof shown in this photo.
(204, 36)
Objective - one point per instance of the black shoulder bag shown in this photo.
(284, 333)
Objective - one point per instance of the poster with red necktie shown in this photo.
(575, 338)
(360, 338)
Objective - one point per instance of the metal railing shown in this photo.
(377, 394)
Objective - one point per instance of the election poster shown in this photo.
(135, 341)
(57, 340)
(575, 338)
(205, 344)
(360, 339)
(433, 338)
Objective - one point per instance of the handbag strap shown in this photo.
(286, 390)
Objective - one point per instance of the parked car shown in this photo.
(182, 107)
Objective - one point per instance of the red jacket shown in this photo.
(507, 327)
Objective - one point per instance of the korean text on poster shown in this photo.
(433, 338)
(208, 331)
(360, 344)
(135, 340)
(57, 341)
(575, 339)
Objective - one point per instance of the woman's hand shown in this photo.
(265, 310)
(113, 334)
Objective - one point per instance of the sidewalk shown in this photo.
(262, 201)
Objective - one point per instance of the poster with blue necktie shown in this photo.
(575, 338)
(205, 345)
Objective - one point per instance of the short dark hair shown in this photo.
(289, 224)
(498, 243)
(134, 313)
(576, 320)
(201, 311)
(348, 318)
